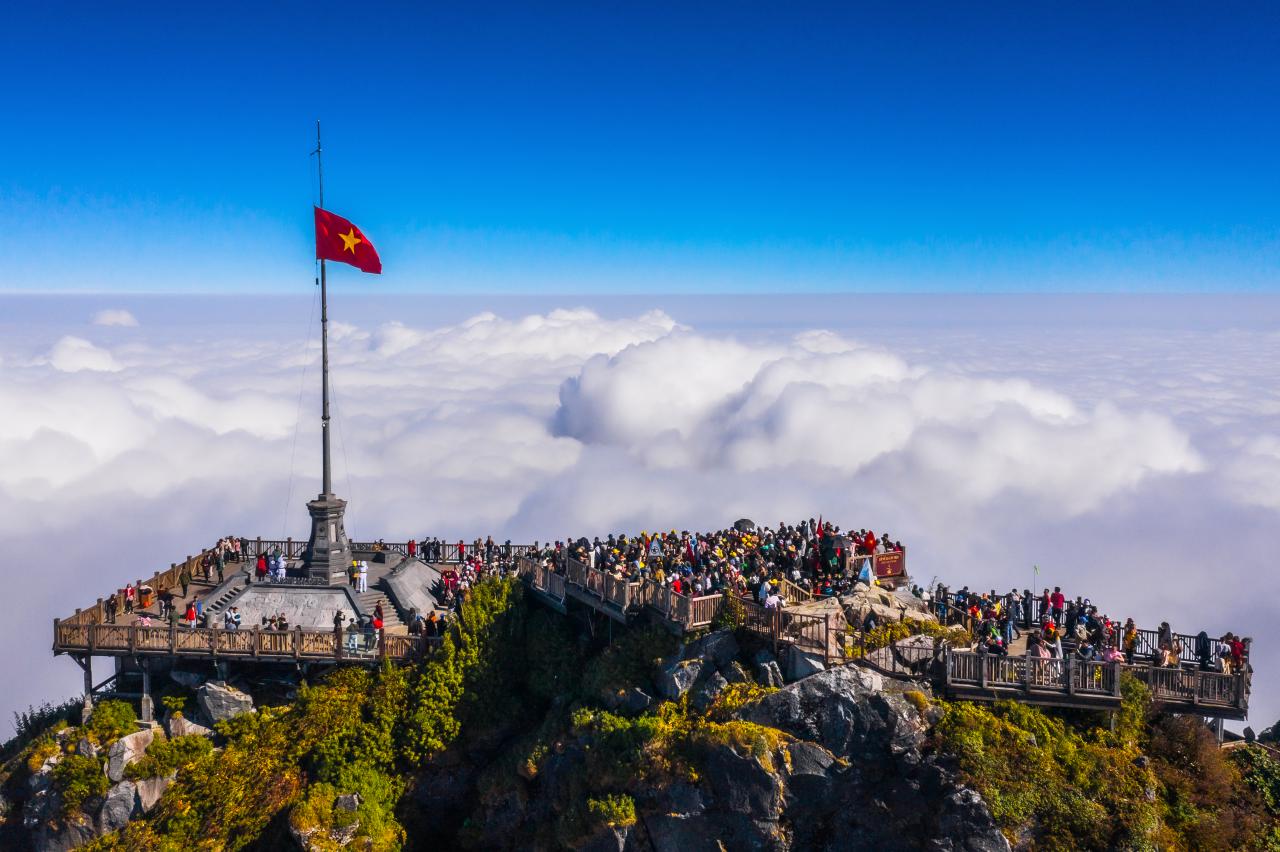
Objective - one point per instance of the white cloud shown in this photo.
(690, 401)
(115, 317)
(73, 354)
(983, 453)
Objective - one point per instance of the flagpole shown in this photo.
(324, 340)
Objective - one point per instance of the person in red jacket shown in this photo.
(1058, 601)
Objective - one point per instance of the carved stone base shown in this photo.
(328, 553)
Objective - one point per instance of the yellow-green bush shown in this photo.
(78, 779)
(735, 696)
(614, 811)
(917, 699)
(111, 720)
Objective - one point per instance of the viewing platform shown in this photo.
(825, 639)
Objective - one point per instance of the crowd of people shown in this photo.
(1057, 627)
(814, 555)
(744, 559)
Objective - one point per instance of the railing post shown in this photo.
(1115, 679)
(288, 548)
(297, 642)
(173, 638)
(89, 630)
(982, 670)
(1068, 669)
(257, 636)
(133, 638)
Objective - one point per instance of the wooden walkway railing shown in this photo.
(1073, 682)
(617, 596)
(98, 639)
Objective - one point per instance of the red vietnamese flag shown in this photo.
(338, 239)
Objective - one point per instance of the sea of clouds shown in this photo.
(1134, 459)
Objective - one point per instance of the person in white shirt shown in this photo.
(364, 576)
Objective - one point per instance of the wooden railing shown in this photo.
(120, 639)
(793, 594)
(1073, 677)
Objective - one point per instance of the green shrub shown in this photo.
(732, 614)
(917, 699)
(734, 697)
(111, 720)
(614, 811)
(79, 779)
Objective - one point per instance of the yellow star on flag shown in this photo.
(350, 241)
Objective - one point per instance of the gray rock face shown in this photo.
(347, 802)
(220, 702)
(675, 679)
(705, 695)
(127, 750)
(718, 648)
(84, 748)
(735, 673)
(119, 806)
(801, 665)
(151, 789)
(768, 674)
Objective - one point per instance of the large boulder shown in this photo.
(181, 726)
(151, 789)
(675, 679)
(718, 648)
(735, 673)
(220, 702)
(705, 694)
(801, 664)
(769, 674)
(846, 711)
(126, 750)
(743, 784)
(119, 806)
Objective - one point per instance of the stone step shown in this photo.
(368, 600)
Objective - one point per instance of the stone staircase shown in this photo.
(215, 606)
(390, 618)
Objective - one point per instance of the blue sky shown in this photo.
(645, 147)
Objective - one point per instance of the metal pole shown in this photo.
(324, 340)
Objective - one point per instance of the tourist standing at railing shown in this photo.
(184, 580)
(1129, 640)
(1057, 602)
(130, 594)
(112, 606)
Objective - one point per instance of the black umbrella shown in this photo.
(744, 525)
